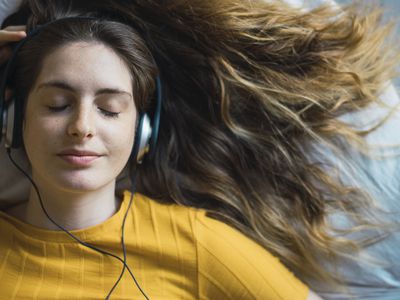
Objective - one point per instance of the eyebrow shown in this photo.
(65, 86)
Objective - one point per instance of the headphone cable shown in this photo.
(125, 265)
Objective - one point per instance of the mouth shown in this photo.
(78, 157)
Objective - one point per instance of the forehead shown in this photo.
(86, 66)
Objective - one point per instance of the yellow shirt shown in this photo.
(174, 252)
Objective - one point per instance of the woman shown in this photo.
(258, 90)
(83, 82)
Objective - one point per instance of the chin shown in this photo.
(76, 181)
(81, 184)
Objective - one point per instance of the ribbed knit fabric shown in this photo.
(175, 252)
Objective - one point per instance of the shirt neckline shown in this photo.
(95, 232)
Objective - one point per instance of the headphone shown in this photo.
(11, 113)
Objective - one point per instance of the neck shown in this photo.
(71, 209)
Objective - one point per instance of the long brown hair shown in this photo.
(249, 88)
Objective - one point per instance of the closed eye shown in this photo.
(109, 114)
(106, 113)
(57, 108)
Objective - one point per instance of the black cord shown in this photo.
(133, 188)
(125, 265)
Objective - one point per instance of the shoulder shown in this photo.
(229, 264)
(234, 266)
(168, 225)
(145, 207)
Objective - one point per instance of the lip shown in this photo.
(77, 152)
(80, 158)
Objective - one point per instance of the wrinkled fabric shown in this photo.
(378, 174)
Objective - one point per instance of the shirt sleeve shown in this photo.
(232, 266)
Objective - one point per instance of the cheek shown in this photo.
(41, 133)
(120, 139)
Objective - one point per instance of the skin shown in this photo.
(80, 101)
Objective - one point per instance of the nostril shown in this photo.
(81, 127)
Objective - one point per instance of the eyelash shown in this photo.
(106, 113)
(57, 108)
(109, 114)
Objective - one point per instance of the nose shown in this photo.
(82, 123)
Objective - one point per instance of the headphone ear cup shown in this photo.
(142, 138)
(146, 135)
(13, 120)
(12, 124)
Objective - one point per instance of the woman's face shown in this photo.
(80, 118)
